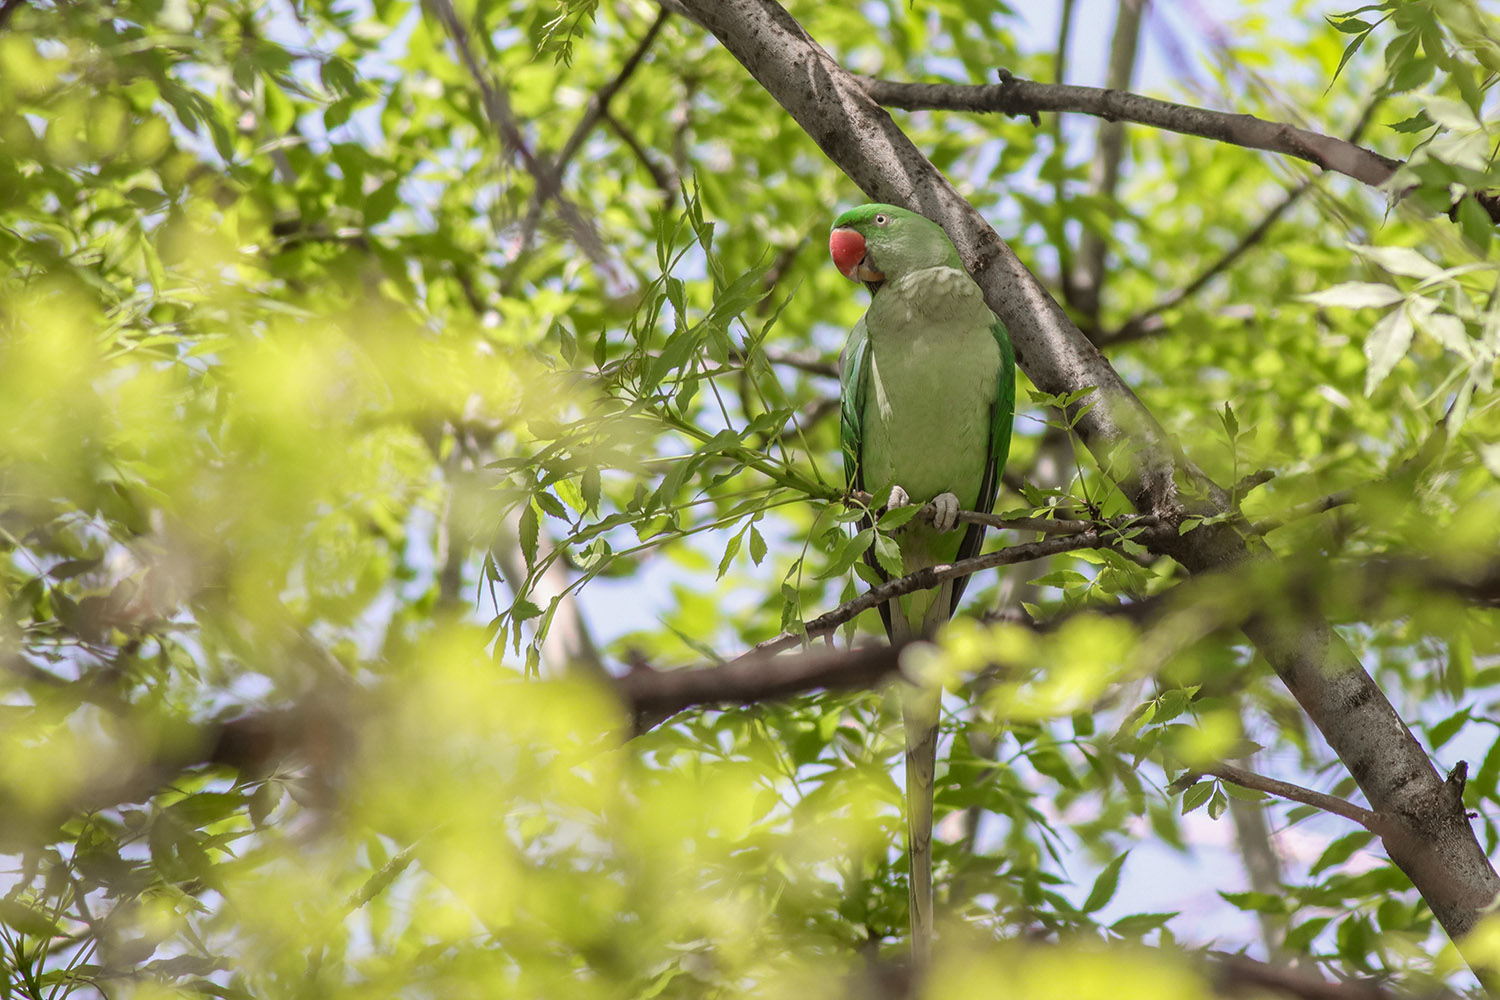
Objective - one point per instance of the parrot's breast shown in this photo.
(934, 377)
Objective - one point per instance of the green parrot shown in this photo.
(927, 395)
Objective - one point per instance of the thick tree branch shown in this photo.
(1027, 98)
(653, 695)
(1314, 662)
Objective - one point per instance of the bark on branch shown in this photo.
(1028, 98)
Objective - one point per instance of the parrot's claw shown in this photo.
(898, 498)
(945, 512)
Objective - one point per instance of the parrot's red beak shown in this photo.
(848, 250)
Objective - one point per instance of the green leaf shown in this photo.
(591, 488)
(1105, 885)
(1140, 924)
(1386, 345)
(569, 493)
(1196, 796)
(1400, 260)
(888, 555)
(1356, 295)
(1300, 938)
(1244, 794)
(757, 546)
(731, 549)
(1476, 223)
(27, 920)
(1231, 424)
(851, 549)
(895, 517)
(1418, 122)
(1349, 50)
(527, 533)
(1445, 730)
(791, 608)
(205, 808)
(1341, 850)
(1256, 902)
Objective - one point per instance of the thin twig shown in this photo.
(1045, 525)
(664, 178)
(549, 182)
(497, 110)
(1145, 322)
(1371, 821)
(1426, 453)
(1059, 150)
(812, 364)
(932, 576)
(1085, 289)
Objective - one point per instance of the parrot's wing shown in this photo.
(854, 386)
(854, 378)
(1002, 415)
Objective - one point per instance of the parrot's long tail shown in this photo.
(920, 710)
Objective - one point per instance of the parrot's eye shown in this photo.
(881, 220)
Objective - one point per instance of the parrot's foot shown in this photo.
(945, 512)
(898, 498)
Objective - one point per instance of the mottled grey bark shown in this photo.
(1429, 836)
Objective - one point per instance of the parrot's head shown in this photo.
(874, 243)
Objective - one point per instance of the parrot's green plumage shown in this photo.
(928, 395)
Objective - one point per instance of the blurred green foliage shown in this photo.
(316, 377)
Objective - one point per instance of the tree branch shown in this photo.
(809, 363)
(1312, 660)
(662, 177)
(1086, 285)
(1144, 323)
(1045, 525)
(1239, 975)
(932, 576)
(549, 182)
(498, 112)
(1027, 98)
(1285, 790)
(654, 695)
